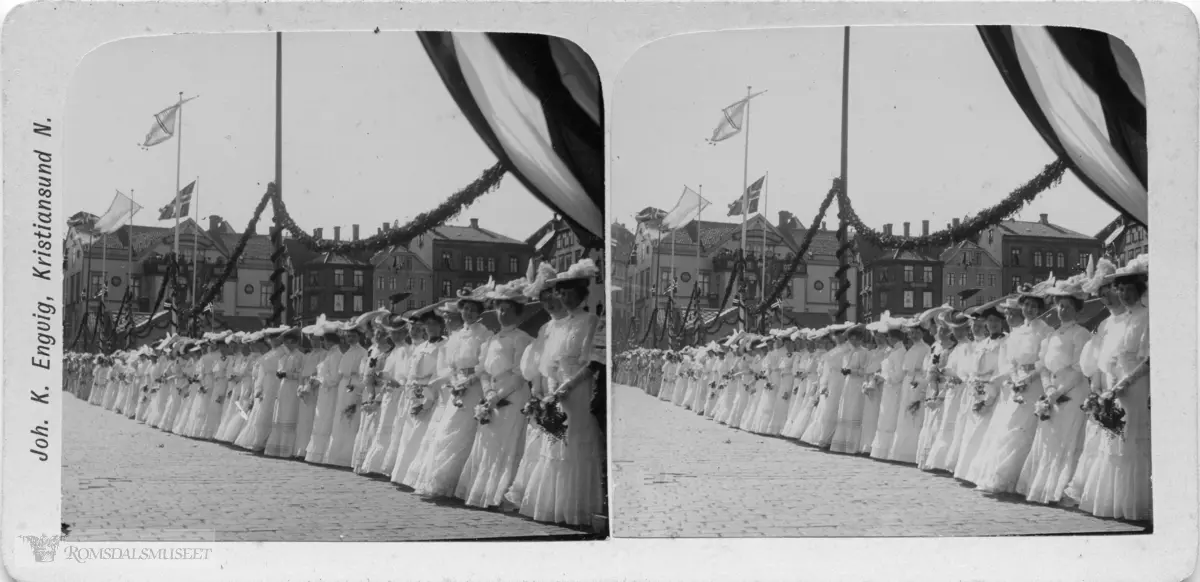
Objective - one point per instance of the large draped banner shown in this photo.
(1084, 93)
(535, 101)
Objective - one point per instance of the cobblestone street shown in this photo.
(677, 474)
(126, 481)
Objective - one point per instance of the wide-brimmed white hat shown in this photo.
(1099, 275)
(511, 291)
(1137, 267)
(584, 269)
(1072, 287)
(544, 277)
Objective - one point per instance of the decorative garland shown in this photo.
(279, 258)
(835, 190)
(234, 257)
(447, 210)
(1050, 176)
(845, 246)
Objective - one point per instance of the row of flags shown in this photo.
(123, 207)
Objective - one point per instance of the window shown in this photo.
(408, 284)
(703, 281)
(412, 303)
(422, 282)
(908, 299)
(978, 300)
(908, 274)
(264, 293)
(312, 279)
(358, 278)
(978, 257)
(514, 266)
(446, 260)
(392, 283)
(312, 302)
(447, 288)
(96, 283)
(358, 303)
(979, 280)
(833, 288)
(468, 263)
(339, 303)
(1083, 260)
(379, 285)
(883, 300)
(928, 275)
(927, 299)
(135, 285)
(578, 255)
(491, 265)
(1015, 259)
(1037, 259)
(339, 277)
(949, 279)
(1016, 282)
(991, 280)
(1062, 260)
(962, 279)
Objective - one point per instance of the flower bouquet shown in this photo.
(1044, 408)
(980, 396)
(532, 407)
(845, 371)
(768, 386)
(786, 396)
(553, 421)
(281, 375)
(416, 409)
(934, 402)
(349, 411)
(1111, 417)
(914, 407)
(483, 412)
(221, 398)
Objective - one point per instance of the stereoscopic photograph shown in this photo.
(334, 287)
(881, 281)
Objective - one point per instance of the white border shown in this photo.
(42, 43)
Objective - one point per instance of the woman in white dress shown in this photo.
(327, 397)
(235, 370)
(401, 367)
(877, 350)
(310, 386)
(984, 382)
(190, 389)
(376, 461)
(282, 439)
(910, 411)
(833, 378)
(891, 386)
(266, 390)
(952, 397)
(453, 434)
(340, 451)
(537, 370)
(1118, 483)
(567, 482)
(218, 388)
(1058, 441)
(1010, 434)
(422, 391)
(496, 453)
(847, 433)
(374, 388)
(936, 387)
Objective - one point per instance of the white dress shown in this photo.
(282, 440)
(340, 451)
(535, 368)
(986, 376)
(492, 465)
(326, 412)
(381, 455)
(892, 370)
(266, 389)
(912, 391)
(421, 391)
(310, 386)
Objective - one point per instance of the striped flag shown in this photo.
(752, 194)
(733, 118)
(164, 125)
(182, 201)
(1083, 91)
(535, 100)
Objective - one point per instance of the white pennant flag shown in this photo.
(164, 125)
(732, 120)
(689, 203)
(122, 207)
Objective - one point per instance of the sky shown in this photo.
(934, 133)
(370, 133)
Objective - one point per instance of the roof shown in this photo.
(470, 234)
(824, 243)
(914, 255)
(966, 245)
(1038, 229)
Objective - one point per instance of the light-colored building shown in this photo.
(561, 246)
(966, 267)
(465, 257)
(1030, 252)
(1124, 240)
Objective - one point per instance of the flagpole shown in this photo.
(842, 260)
(178, 166)
(762, 280)
(746, 175)
(195, 240)
(129, 273)
(699, 223)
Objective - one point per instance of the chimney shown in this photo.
(823, 225)
(887, 229)
(386, 227)
(783, 218)
(955, 222)
(337, 233)
(317, 232)
(253, 229)
(355, 228)
(906, 234)
(475, 223)
(214, 224)
(1045, 219)
(924, 228)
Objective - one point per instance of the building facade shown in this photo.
(1124, 240)
(970, 275)
(1030, 252)
(397, 271)
(558, 244)
(465, 257)
(901, 282)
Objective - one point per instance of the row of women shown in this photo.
(1001, 400)
(434, 400)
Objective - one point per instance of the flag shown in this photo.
(122, 207)
(164, 125)
(1084, 92)
(752, 194)
(671, 288)
(184, 199)
(689, 202)
(732, 120)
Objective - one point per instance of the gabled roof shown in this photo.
(915, 255)
(715, 234)
(469, 234)
(953, 251)
(1038, 229)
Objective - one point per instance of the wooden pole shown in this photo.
(843, 258)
